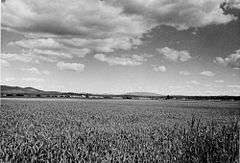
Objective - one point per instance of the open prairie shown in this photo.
(119, 130)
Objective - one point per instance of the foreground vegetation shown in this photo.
(29, 134)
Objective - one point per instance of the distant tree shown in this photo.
(87, 95)
(168, 97)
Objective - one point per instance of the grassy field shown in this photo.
(34, 130)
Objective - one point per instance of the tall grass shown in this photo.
(195, 142)
(54, 132)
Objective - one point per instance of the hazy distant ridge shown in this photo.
(24, 90)
(142, 94)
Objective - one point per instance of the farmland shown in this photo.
(66, 130)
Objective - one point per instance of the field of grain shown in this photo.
(69, 130)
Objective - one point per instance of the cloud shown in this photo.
(193, 82)
(234, 86)
(50, 46)
(104, 45)
(219, 81)
(133, 60)
(78, 52)
(175, 55)
(9, 79)
(45, 72)
(4, 63)
(85, 19)
(70, 66)
(52, 53)
(35, 80)
(178, 13)
(103, 25)
(109, 17)
(40, 43)
(159, 68)
(26, 57)
(233, 60)
(16, 57)
(34, 70)
(207, 73)
(184, 73)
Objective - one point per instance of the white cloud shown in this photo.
(16, 57)
(86, 19)
(109, 17)
(26, 57)
(78, 52)
(9, 79)
(35, 80)
(219, 81)
(184, 73)
(103, 25)
(34, 70)
(159, 68)
(193, 82)
(233, 60)
(207, 73)
(234, 4)
(178, 13)
(50, 46)
(133, 60)
(4, 63)
(104, 45)
(234, 86)
(40, 43)
(45, 72)
(70, 66)
(175, 55)
(52, 53)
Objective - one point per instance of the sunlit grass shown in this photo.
(28, 135)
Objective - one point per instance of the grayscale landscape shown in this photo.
(120, 81)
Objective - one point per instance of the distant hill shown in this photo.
(142, 94)
(24, 90)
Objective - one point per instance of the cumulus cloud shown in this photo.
(26, 57)
(175, 55)
(86, 19)
(45, 72)
(50, 46)
(9, 79)
(70, 66)
(103, 25)
(184, 73)
(39, 43)
(35, 80)
(52, 53)
(4, 63)
(193, 82)
(234, 86)
(219, 81)
(207, 73)
(233, 60)
(159, 68)
(16, 57)
(109, 17)
(180, 14)
(103, 45)
(34, 70)
(133, 60)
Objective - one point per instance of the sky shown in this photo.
(177, 47)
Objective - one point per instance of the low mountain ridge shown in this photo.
(142, 94)
(25, 90)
